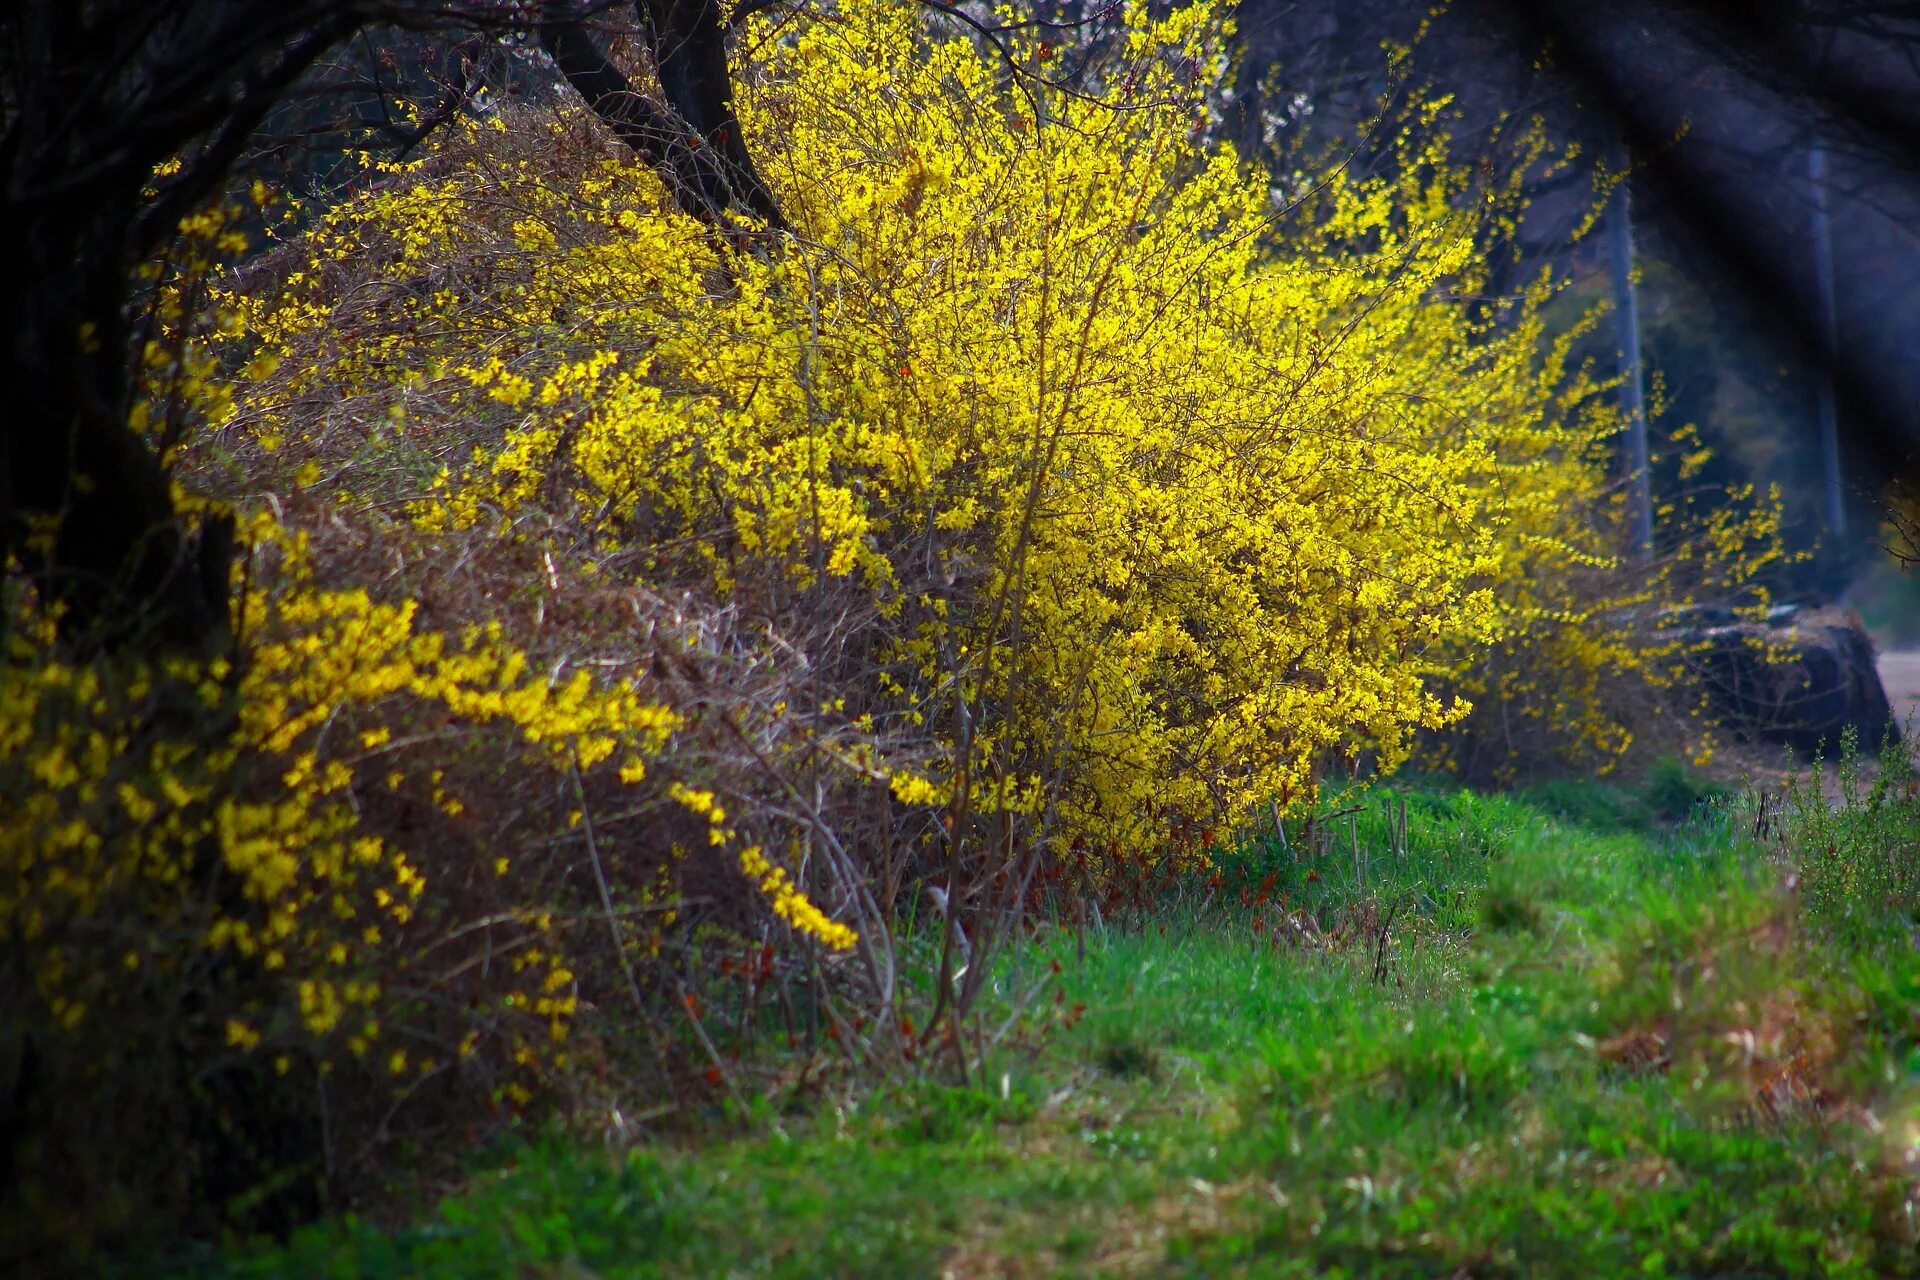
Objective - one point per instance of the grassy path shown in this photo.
(1584, 1048)
(1900, 675)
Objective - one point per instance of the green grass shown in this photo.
(1589, 1044)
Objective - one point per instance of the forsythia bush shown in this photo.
(1148, 493)
(190, 874)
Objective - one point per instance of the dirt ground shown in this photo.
(1900, 673)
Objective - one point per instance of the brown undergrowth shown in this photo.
(1731, 1004)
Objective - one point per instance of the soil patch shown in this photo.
(1900, 675)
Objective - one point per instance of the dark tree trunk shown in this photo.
(84, 502)
(692, 136)
(688, 42)
(92, 97)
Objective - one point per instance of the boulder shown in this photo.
(1801, 677)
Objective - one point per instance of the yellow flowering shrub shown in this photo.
(254, 869)
(103, 799)
(1147, 486)
(1023, 363)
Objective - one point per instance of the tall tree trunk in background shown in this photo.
(1626, 328)
(1827, 320)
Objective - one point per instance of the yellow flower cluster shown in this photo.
(786, 900)
(163, 818)
(179, 379)
(790, 904)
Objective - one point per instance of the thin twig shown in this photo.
(1353, 839)
(606, 905)
(706, 1043)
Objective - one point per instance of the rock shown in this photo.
(1800, 678)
